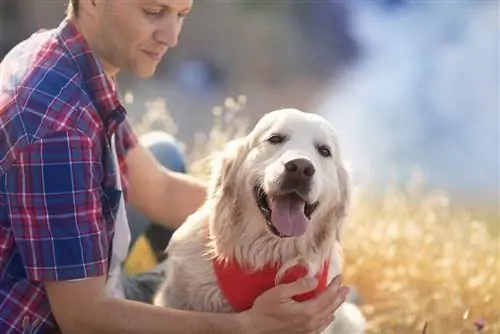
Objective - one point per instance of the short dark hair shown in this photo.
(73, 6)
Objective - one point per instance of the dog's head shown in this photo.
(285, 180)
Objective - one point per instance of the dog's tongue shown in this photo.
(287, 215)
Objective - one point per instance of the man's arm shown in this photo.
(82, 307)
(164, 196)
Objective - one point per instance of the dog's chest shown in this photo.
(240, 287)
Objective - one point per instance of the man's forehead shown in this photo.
(175, 4)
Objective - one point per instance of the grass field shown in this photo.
(420, 264)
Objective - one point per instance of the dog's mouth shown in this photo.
(286, 214)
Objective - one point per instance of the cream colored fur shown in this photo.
(230, 225)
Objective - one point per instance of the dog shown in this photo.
(276, 204)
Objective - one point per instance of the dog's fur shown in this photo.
(230, 225)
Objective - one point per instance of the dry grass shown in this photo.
(420, 265)
(416, 260)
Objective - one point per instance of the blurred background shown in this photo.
(409, 85)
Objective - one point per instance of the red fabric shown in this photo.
(241, 289)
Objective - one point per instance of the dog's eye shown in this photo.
(325, 151)
(276, 139)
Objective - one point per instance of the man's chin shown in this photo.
(145, 74)
(144, 71)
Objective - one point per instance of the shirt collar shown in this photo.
(102, 89)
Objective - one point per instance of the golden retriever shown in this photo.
(277, 200)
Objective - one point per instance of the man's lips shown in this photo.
(156, 56)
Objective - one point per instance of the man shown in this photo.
(63, 234)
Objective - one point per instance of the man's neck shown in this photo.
(87, 33)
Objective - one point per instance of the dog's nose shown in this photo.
(301, 169)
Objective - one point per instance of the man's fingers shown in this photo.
(343, 292)
(325, 299)
(336, 281)
(298, 287)
(341, 297)
(326, 315)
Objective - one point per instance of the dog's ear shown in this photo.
(224, 196)
(224, 168)
(344, 200)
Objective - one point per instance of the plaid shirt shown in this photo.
(58, 197)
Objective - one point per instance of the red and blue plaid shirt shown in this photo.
(58, 196)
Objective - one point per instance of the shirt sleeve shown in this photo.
(54, 199)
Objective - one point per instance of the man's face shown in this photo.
(134, 35)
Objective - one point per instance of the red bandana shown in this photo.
(241, 289)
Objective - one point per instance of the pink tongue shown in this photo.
(287, 215)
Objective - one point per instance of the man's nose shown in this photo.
(168, 33)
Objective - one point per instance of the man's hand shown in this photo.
(276, 312)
